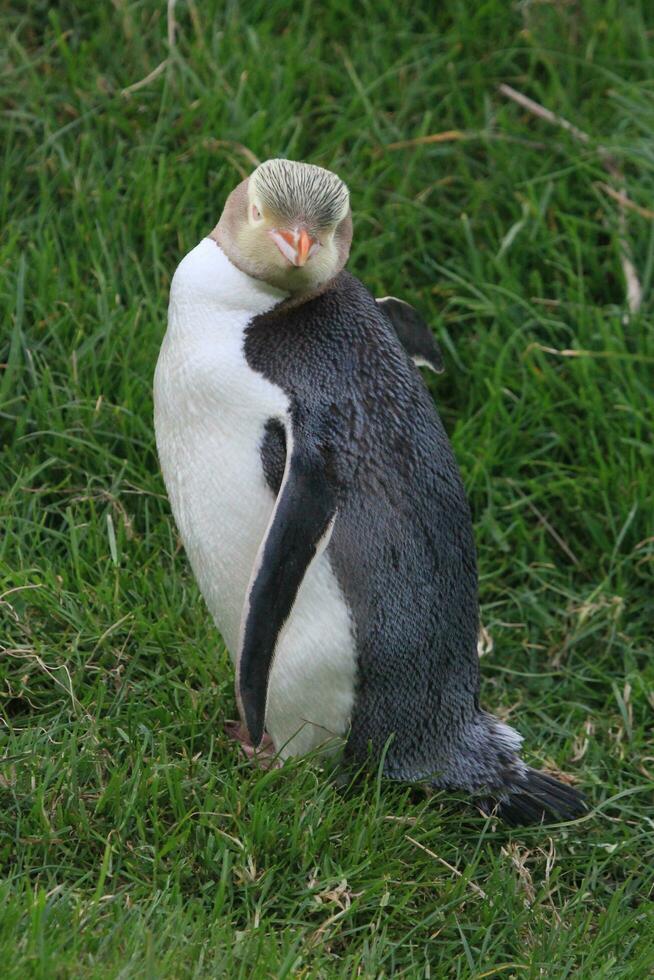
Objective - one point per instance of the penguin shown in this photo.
(320, 504)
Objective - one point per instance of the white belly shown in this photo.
(210, 413)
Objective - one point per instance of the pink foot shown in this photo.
(264, 756)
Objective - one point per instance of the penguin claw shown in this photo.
(264, 756)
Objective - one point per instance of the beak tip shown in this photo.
(296, 246)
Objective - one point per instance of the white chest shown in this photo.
(210, 412)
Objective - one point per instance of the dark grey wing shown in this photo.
(413, 332)
(301, 522)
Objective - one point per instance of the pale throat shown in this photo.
(206, 280)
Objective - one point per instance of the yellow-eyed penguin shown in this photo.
(320, 504)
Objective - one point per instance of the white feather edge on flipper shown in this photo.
(255, 571)
(264, 627)
(413, 332)
(329, 733)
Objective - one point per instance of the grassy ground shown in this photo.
(133, 840)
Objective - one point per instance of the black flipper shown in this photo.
(540, 799)
(303, 515)
(413, 332)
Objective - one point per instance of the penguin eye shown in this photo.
(256, 213)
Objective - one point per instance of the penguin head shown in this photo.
(288, 224)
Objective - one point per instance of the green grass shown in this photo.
(134, 842)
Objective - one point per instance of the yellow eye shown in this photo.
(256, 213)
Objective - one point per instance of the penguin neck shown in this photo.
(207, 284)
(293, 300)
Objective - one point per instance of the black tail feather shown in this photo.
(539, 799)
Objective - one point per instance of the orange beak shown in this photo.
(296, 245)
(304, 244)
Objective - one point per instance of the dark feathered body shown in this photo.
(402, 546)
